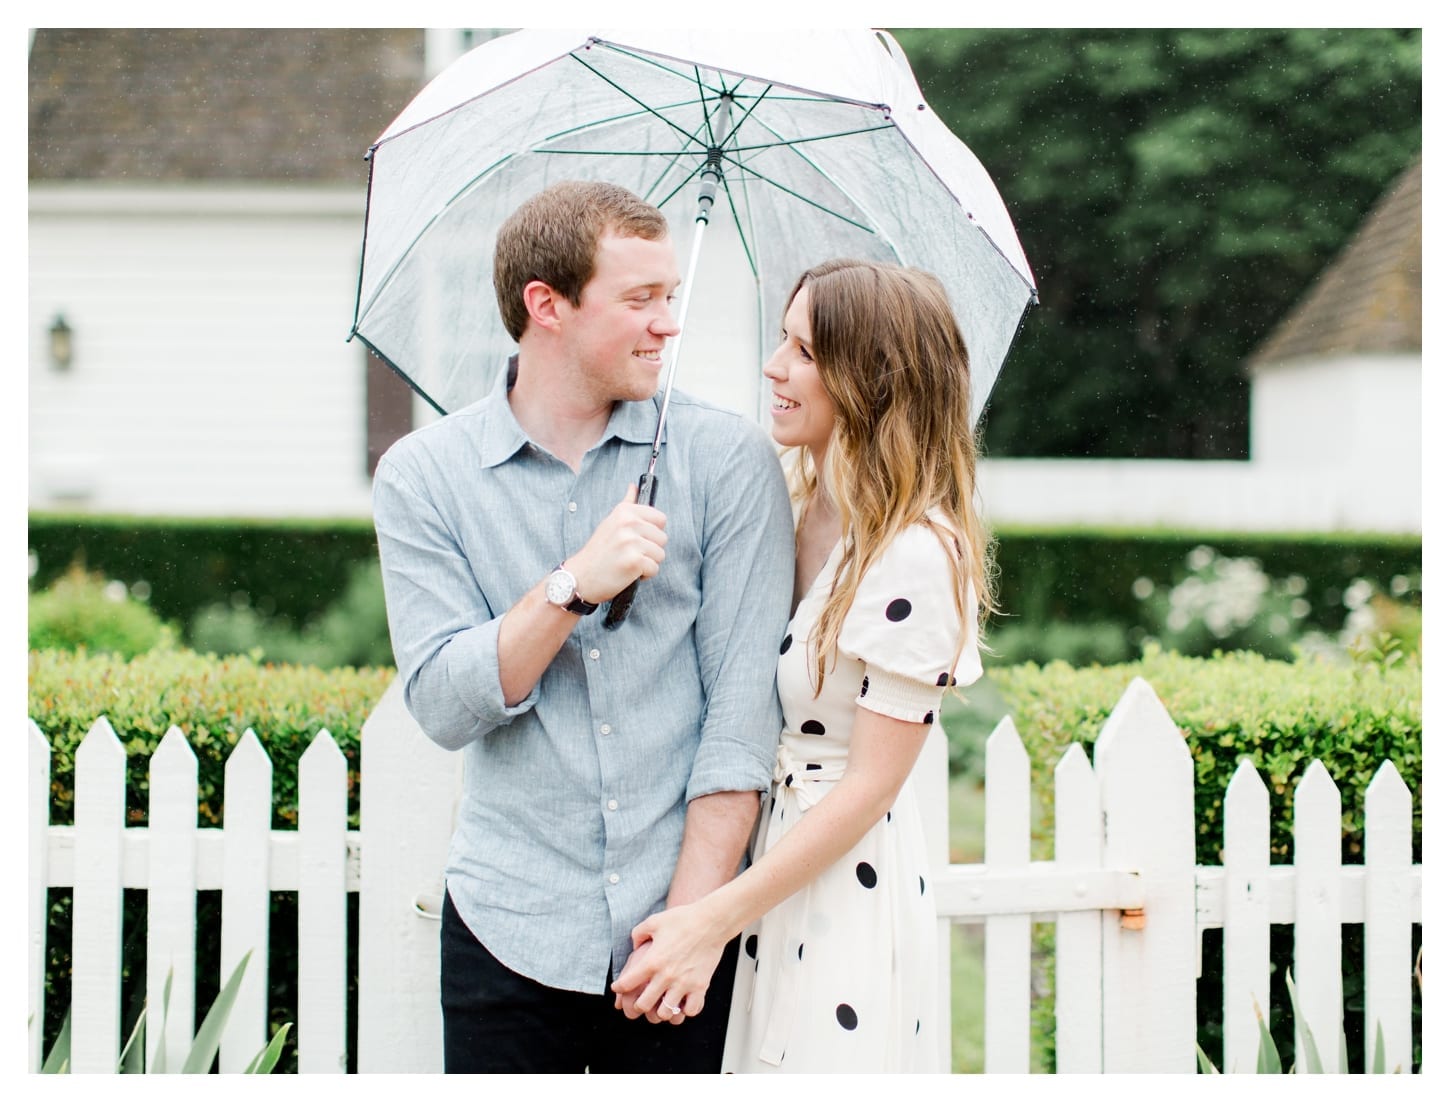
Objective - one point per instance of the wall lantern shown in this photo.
(61, 348)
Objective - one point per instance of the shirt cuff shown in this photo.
(472, 665)
(730, 766)
(891, 694)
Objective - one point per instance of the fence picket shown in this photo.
(400, 1027)
(1077, 845)
(1145, 781)
(1387, 964)
(171, 901)
(1246, 917)
(1317, 975)
(322, 908)
(246, 857)
(929, 778)
(38, 814)
(100, 817)
(1008, 955)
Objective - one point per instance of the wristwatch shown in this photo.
(560, 589)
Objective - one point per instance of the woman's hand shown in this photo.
(685, 944)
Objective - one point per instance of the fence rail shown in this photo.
(1129, 902)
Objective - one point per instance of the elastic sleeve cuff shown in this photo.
(472, 665)
(891, 694)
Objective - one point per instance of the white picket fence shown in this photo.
(1128, 901)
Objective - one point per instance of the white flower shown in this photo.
(1358, 594)
(115, 591)
(1295, 585)
(1299, 607)
(1142, 588)
(34, 564)
(1399, 584)
(1200, 557)
(141, 590)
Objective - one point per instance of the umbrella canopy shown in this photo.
(824, 144)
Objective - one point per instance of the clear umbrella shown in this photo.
(807, 145)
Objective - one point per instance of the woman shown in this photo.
(838, 967)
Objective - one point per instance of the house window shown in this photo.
(390, 409)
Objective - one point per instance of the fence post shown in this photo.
(1317, 941)
(1246, 917)
(1388, 852)
(930, 779)
(38, 813)
(322, 907)
(171, 901)
(246, 897)
(100, 814)
(1078, 845)
(1007, 976)
(1145, 777)
(409, 798)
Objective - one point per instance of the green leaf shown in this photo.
(209, 1036)
(58, 1062)
(266, 1060)
(132, 1060)
(1378, 1067)
(1205, 1065)
(158, 1066)
(1269, 1062)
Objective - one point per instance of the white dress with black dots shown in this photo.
(842, 976)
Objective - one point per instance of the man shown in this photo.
(607, 774)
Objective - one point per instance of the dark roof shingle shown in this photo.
(1368, 299)
(170, 105)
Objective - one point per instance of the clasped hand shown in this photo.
(628, 544)
(675, 954)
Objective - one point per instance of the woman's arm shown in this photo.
(686, 941)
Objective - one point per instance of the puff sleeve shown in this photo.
(903, 625)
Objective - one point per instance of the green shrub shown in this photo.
(213, 701)
(82, 610)
(352, 632)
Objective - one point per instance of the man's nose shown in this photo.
(665, 324)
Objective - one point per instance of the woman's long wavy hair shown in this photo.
(892, 359)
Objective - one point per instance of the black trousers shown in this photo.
(495, 1020)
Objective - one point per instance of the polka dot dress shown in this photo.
(842, 976)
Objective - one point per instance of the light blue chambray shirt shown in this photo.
(573, 802)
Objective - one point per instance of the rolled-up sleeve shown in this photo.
(746, 580)
(444, 634)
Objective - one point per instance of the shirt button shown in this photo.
(604, 728)
(594, 654)
(614, 878)
(613, 805)
(573, 507)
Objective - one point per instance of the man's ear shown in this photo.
(542, 303)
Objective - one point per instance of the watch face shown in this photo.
(559, 587)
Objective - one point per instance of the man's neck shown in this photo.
(555, 413)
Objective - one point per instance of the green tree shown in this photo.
(1176, 192)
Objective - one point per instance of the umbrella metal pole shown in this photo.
(620, 606)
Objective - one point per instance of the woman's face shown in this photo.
(801, 412)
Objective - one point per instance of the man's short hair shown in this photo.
(553, 238)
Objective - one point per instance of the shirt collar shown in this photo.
(501, 435)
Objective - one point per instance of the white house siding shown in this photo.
(1359, 411)
(211, 374)
(1214, 496)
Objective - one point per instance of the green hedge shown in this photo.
(291, 569)
(1279, 715)
(213, 701)
(297, 569)
(1083, 575)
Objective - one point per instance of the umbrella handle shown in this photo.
(619, 607)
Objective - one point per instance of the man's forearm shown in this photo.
(717, 830)
(528, 639)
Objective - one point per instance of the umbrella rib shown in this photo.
(635, 99)
(784, 142)
(739, 229)
(797, 195)
(661, 178)
(594, 124)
